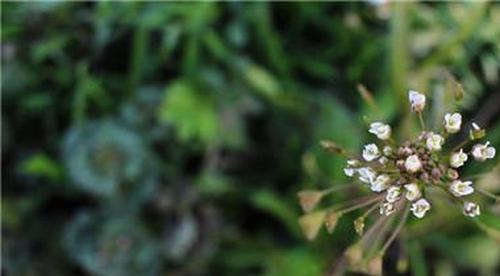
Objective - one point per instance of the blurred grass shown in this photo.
(132, 129)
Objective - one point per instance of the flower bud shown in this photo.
(417, 101)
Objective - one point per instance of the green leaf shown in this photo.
(41, 165)
(277, 206)
(191, 112)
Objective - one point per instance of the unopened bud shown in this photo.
(452, 174)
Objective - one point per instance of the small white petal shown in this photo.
(420, 207)
(412, 191)
(393, 194)
(458, 159)
(367, 175)
(417, 100)
(381, 130)
(471, 209)
(387, 209)
(413, 164)
(481, 152)
(452, 122)
(370, 152)
(459, 188)
(434, 141)
(380, 183)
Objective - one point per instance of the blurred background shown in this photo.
(172, 138)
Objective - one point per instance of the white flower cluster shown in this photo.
(406, 171)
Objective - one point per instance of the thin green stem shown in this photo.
(359, 205)
(397, 230)
(488, 194)
(421, 120)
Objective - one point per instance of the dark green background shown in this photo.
(172, 138)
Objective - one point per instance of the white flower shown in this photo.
(393, 194)
(459, 188)
(413, 164)
(381, 183)
(458, 159)
(471, 209)
(412, 191)
(381, 130)
(417, 100)
(482, 152)
(434, 141)
(370, 152)
(387, 151)
(366, 175)
(420, 207)
(349, 171)
(387, 208)
(452, 122)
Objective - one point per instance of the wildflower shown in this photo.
(381, 183)
(420, 207)
(402, 173)
(413, 163)
(471, 209)
(381, 130)
(366, 175)
(459, 188)
(452, 122)
(458, 159)
(481, 152)
(434, 141)
(387, 209)
(393, 194)
(412, 191)
(371, 152)
(417, 101)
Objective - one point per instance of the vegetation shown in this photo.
(146, 138)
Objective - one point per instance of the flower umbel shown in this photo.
(401, 178)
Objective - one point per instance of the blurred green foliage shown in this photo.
(148, 138)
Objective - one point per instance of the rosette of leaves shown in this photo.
(101, 155)
(111, 245)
